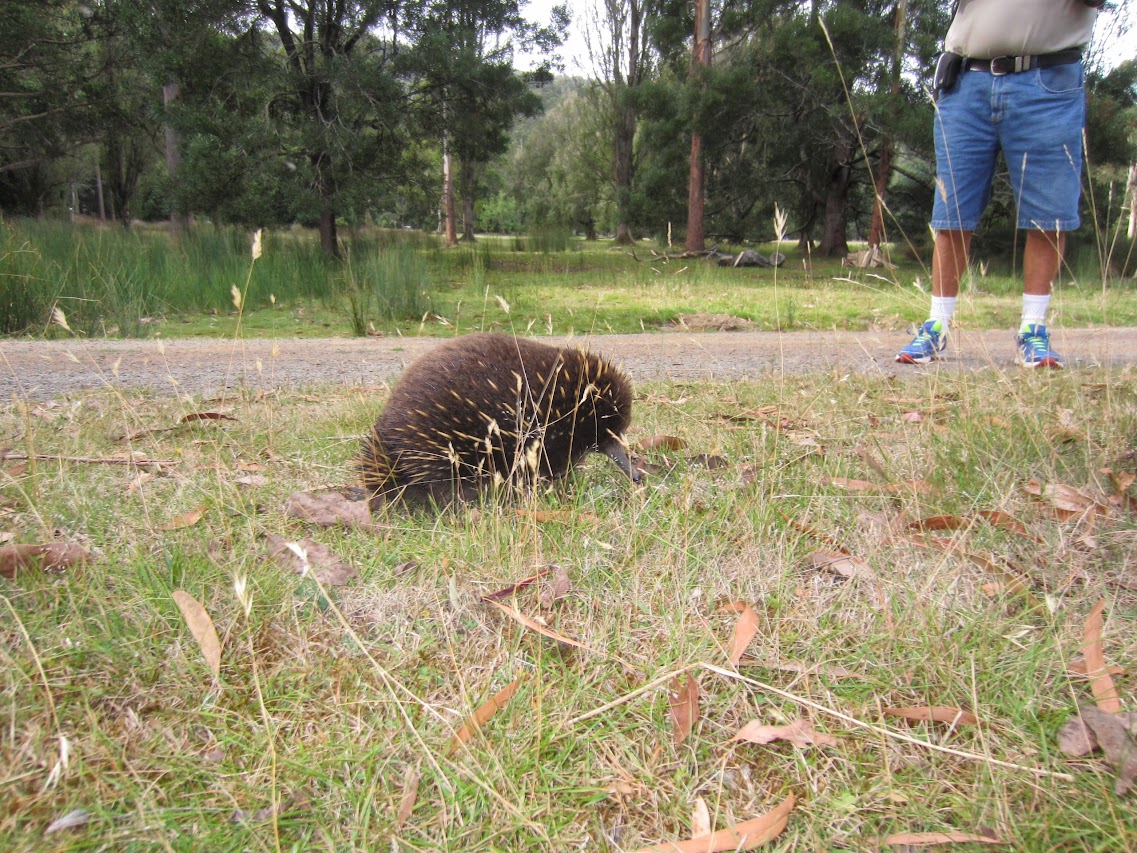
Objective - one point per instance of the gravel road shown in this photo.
(45, 369)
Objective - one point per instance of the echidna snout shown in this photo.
(486, 409)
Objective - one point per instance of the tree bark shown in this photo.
(468, 170)
(884, 166)
(624, 88)
(700, 58)
(449, 225)
(178, 220)
(834, 240)
(329, 240)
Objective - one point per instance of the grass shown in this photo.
(140, 283)
(328, 706)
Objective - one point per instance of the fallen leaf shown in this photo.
(537, 627)
(912, 417)
(506, 592)
(683, 703)
(318, 559)
(483, 715)
(744, 630)
(410, 795)
(742, 836)
(206, 416)
(1077, 666)
(139, 481)
(201, 626)
(1101, 684)
(1114, 733)
(186, 519)
(851, 485)
(56, 555)
(556, 587)
(926, 839)
(845, 565)
(1006, 522)
(72, 820)
(800, 733)
(700, 819)
(801, 668)
(329, 509)
(543, 516)
(933, 713)
(938, 522)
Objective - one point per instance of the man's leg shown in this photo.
(1042, 260)
(949, 262)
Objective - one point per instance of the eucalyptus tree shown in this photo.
(466, 88)
(622, 59)
(337, 105)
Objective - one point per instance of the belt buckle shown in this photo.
(1001, 66)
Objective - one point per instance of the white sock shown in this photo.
(1034, 310)
(942, 309)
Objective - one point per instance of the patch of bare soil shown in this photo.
(44, 369)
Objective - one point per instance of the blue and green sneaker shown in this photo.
(1034, 348)
(928, 344)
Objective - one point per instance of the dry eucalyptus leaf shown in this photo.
(683, 704)
(555, 587)
(744, 630)
(186, 519)
(700, 819)
(800, 733)
(483, 715)
(926, 839)
(933, 713)
(661, 442)
(1101, 683)
(845, 565)
(1116, 734)
(201, 626)
(742, 836)
(72, 820)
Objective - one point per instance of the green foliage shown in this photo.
(391, 283)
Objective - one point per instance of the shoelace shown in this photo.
(1039, 344)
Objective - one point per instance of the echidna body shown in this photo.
(486, 409)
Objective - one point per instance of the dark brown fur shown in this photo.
(491, 408)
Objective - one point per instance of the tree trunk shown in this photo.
(700, 58)
(448, 195)
(1132, 230)
(469, 178)
(883, 174)
(834, 240)
(884, 167)
(329, 240)
(625, 139)
(178, 220)
(625, 136)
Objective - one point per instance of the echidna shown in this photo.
(486, 409)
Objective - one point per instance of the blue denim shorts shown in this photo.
(1036, 118)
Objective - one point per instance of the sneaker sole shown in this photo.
(1052, 363)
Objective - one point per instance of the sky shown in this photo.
(1117, 26)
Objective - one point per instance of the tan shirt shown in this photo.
(984, 29)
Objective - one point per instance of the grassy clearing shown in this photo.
(142, 283)
(328, 711)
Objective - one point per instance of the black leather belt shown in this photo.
(1001, 65)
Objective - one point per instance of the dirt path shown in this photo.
(42, 369)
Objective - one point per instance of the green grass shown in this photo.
(140, 283)
(326, 711)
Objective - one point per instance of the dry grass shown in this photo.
(327, 706)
